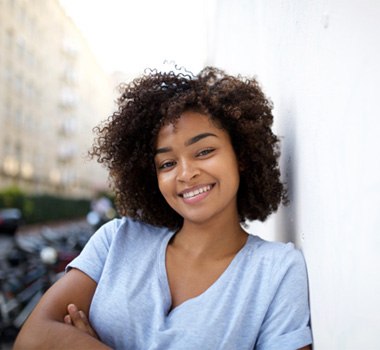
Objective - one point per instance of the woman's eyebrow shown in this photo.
(198, 138)
(187, 143)
(162, 150)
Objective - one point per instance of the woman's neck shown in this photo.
(214, 240)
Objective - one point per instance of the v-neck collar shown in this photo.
(164, 281)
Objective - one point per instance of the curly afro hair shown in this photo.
(125, 142)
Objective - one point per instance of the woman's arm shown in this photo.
(45, 328)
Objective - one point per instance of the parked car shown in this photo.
(10, 219)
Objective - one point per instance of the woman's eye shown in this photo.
(205, 152)
(166, 165)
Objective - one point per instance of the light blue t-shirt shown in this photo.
(259, 302)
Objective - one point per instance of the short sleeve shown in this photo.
(286, 325)
(93, 256)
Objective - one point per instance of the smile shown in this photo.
(196, 192)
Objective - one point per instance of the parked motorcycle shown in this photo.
(29, 265)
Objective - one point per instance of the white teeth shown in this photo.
(197, 191)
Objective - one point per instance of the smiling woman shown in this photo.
(198, 173)
(191, 158)
(127, 141)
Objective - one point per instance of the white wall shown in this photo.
(319, 61)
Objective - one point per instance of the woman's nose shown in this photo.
(187, 171)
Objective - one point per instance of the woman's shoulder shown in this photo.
(275, 254)
(126, 228)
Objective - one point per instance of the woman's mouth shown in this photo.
(196, 192)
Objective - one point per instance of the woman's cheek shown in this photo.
(165, 182)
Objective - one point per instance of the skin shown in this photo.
(45, 328)
(195, 159)
(196, 154)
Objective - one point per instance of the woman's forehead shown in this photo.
(190, 118)
(187, 126)
(188, 121)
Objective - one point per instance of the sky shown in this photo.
(130, 36)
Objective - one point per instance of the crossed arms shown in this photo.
(56, 322)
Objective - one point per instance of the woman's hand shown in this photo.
(79, 320)
(47, 326)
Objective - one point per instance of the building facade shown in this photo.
(52, 93)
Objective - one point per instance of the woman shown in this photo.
(191, 158)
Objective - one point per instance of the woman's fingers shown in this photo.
(75, 317)
(87, 323)
(67, 320)
(78, 319)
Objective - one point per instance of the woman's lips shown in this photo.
(195, 195)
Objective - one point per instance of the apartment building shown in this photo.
(52, 93)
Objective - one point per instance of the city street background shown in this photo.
(318, 61)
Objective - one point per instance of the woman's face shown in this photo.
(197, 169)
